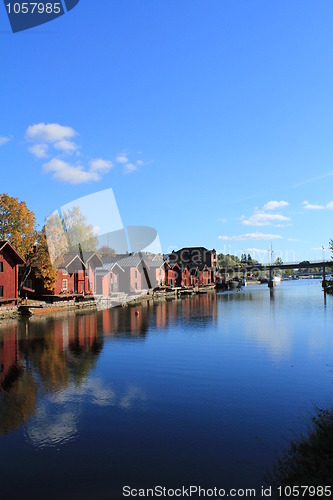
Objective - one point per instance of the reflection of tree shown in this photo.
(84, 347)
(17, 399)
(50, 363)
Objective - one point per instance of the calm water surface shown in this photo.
(204, 390)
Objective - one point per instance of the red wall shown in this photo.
(8, 278)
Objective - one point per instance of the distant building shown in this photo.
(197, 262)
(10, 261)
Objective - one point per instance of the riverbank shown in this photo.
(41, 308)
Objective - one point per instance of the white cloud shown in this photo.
(263, 219)
(66, 146)
(51, 132)
(74, 174)
(100, 165)
(39, 150)
(311, 206)
(257, 251)
(223, 220)
(273, 205)
(3, 140)
(129, 168)
(250, 236)
(122, 158)
(140, 163)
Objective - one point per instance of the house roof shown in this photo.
(5, 245)
(107, 268)
(74, 259)
(157, 263)
(132, 261)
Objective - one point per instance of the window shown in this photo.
(136, 286)
(1, 267)
(64, 284)
(82, 287)
(115, 279)
(64, 272)
(136, 274)
(1, 291)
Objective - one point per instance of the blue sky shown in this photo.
(197, 114)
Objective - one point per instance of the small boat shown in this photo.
(277, 280)
(235, 284)
(328, 286)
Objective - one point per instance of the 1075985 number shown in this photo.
(302, 491)
(34, 8)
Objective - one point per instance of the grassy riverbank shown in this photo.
(309, 460)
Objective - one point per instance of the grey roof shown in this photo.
(132, 261)
(157, 263)
(108, 267)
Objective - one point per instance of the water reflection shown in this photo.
(46, 363)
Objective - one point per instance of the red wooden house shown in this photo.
(174, 276)
(76, 274)
(136, 275)
(9, 263)
(108, 279)
(157, 272)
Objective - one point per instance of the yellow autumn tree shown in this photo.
(17, 224)
(39, 260)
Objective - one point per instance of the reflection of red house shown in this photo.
(9, 354)
(9, 262)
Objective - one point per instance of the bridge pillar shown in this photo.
(324, 277)
(271, 278)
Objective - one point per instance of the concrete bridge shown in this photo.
(304, 265)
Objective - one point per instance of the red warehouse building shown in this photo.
(10, 261)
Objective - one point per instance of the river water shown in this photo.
(204, 390)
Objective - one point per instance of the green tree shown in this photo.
(278, 261)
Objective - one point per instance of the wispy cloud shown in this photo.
(250, 236)
(128, 165)
(39, 150)
(264, 219)
(122, 158)
(4, 140)
(73, 174)
(292, 239)
(129, 168)
(273, 205)
(315, 206)
(223, 220)
(66, 146)
(314, 179)
(100, 165)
